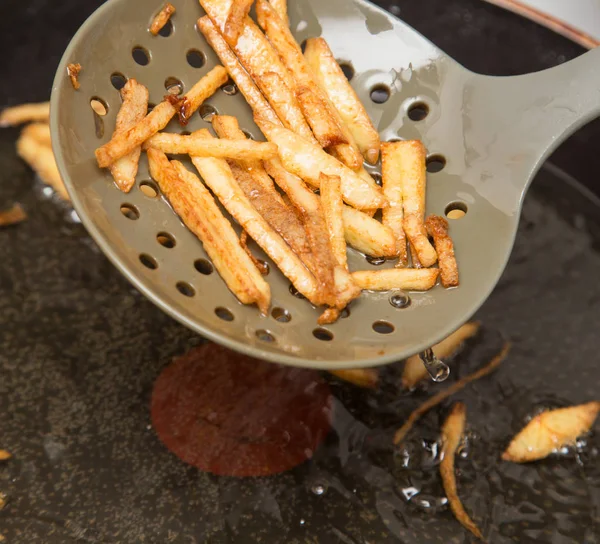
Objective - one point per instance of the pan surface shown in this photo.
(81, 351)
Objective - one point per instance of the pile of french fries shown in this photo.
(304, 194)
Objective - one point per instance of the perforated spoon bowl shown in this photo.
(486, 136)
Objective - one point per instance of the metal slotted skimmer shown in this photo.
(486, 137)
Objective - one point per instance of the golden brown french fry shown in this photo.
(331, 201)
(368, 235)
(307, 160)
(363, 377)
(40, 132)
(411, 157)
(448, 392)
(234, 24)
(320, 113)
(202, 90)
(25, 113)
(452, 432)
(217, 174)
(332, 79)
(5, 455)
(280, 6)
(550, 431)
(197, 209)
(73, 73)
(437, 228)
(393, 215)
(414, 369)
(161, 18)
(133, 109)
(41, 159)
(12, 216)
(259, 188)
(407, 279)
(244, 82)
(261, 266)
(221, 149)
(258, 58)
(125, 142)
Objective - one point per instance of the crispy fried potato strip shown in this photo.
(393, 215)
(407, 279)
(5, 455)
(202, 90)
(234, 24)
(219, 149)
(437, 228)
(452, 432)
(448, 392)
(307, 160)
(125, 142)
(12, 216)
(320, 113)
(258, 58)
(41, 159)
(414, 369)
(133, 109)
(259, 188)
(238, 74)
(368, 235)
(162, 18)
(367, 378)
(342, 95)
(198, 210)
(25, 113)
(550, 431)
(280, 6)
(333, 206)
(411, 156)
(73, 73)
(40, 132)
(261, 266)
(218, 176)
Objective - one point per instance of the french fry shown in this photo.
(41, 159)
(406, 279)
(437, 228)
(73, 73)
(216, 148)
(12, 216)
(393, 215)
(40, 132)
(452, 432)
(202, 90)
(261, 266)
(25, 113)
(550, 431)
(318, 110)
(329, 316)
(448, 392)
(234, 24)
(238, 74)
(362, 377)
(133, 109)
(307, 160)
(280, 6)
(5, 455)
(324, 263)
(331, 201)
(411, 157)
(162, 18)
(368, 235)
(414, 369)
(258, 58)
(125, 142)
(196, 207)
(259, 188)
(217, 174)
(333, 81)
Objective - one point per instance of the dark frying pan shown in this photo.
(81, 350)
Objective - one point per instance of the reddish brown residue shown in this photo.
(232, 415)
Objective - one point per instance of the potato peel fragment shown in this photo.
(551, 430)
(452, 432)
